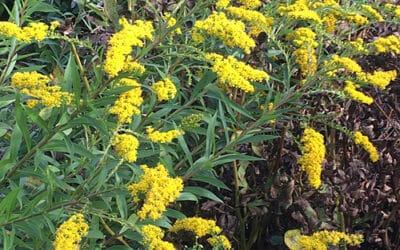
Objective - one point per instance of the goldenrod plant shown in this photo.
(103, 145)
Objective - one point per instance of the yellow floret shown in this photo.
(126, 146)
(220, 240)
(387, 44)
(152, 238)
(356, 95)
(250, 4)
(121, 44)
(372, 12)
(37, 85)
(165, 89)
(231, 32)
(235, 73)
(378, 78)
(69, 233)
(159, 190)
(357, 19)
(314, 154)
(33, 31)
(162, 137)
(363, 140)
(222, 3)
(253, 17)
(128, 102)
(201, 227)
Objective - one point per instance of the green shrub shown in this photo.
(116, 138)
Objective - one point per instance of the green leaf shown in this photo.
(39, 6)
(257, 203)
(201, 163)
(230, 104)
(15, 144)
(172, 213)
(72, 79)
(233, 157)
(255, 137)
(8, 238)
(7, 204)
(210, 179)
(210, 136)
(34, 116)
(202, 192)
(95, 234)
(185, 148)
(185, 196)
(110, 8)
(122, 205)
(223, 120)
(98, 124)
(22, 123)
(7, 100)
(208, 78)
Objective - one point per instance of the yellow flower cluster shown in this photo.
(219, 240)
(201, 227)
(128, 102)
(345, 63)
(152, 238)
(165, 90)
(300, 10)
(329, 22)
(363, 140)
(159, 189)
(328, 9)
(36, 85)
(378, 78)
(171, 21)
(303, 37)
(222, 3)
(69, 233)
(351, 90)
(162, 137)
(118, 55)
(235, 73)
(392, 9)
(358, 46)
(370, 11)
(314, 154)
(305, 56)
(34, 31)
(255, 18)
(387, 44)
(126, 146)
(250, 4)
(321, 239)
(356, 18)
(231, 32)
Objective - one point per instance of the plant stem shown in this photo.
(30, 154)
(113, 234)
(242, 227)
(69, 203)
(80, 67)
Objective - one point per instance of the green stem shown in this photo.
(8, 65)
(234, 142)
(30, 154)
(80, 67)
(242, 228)
(66, 204)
